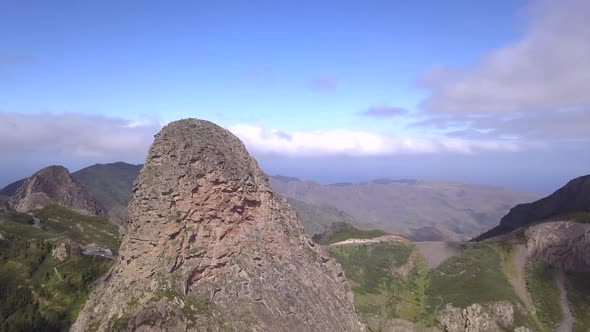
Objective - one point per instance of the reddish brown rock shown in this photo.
(209, 247)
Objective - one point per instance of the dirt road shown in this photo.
(567, 322)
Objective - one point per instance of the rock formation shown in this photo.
(54, 185)
(491, 317)
(209, 247)
(562, 244)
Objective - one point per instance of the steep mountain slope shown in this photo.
(54, 185)
(422, 210)
(111, 184)
(219, 249)
(571, 201)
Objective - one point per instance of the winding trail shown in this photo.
(567, 323)
(518, 280)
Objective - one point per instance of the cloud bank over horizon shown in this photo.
(83, 135)
(372, 95)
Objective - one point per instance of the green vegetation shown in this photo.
(389, 279)
(475, 276)
(58, 223)
(82, 228)
(545, 294)
(578, 292)
(37, 291)
(345, 232)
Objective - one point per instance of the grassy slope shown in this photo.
(38, 292)
(578, 291)
(478, 275)
(475, 276)
(81, 228)
(545, 294)
(380, 292)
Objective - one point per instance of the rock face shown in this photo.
(65, 250)
(563, 244)
(209, 247)
(574, 197)
(54, 185)
(491, 317)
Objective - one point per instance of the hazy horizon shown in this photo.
(491, 93)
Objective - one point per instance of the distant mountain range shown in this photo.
(421, 210)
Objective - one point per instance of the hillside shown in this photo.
(422, 210)
(395, 290)
(48, 264)
(318, 219)
(570, 202)
(111, 184)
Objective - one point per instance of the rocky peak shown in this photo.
(208, 246)
(53, 185)
(572, 198)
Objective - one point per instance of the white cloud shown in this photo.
(74, 134)
(549, 68)
(90, 136)
(260, 140)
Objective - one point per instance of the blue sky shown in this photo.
(491, 90)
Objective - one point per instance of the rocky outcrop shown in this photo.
(209, 247)
(54, 185)
(574, 197)
(563, 244)
(66, 249)
(491, 317)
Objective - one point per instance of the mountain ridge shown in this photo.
(54, 185)
(573, 197)
(421, 210)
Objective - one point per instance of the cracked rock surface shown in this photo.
(208, 247)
